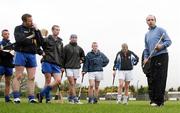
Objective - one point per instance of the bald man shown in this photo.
(159, 60)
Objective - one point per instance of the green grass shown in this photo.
(101, 107)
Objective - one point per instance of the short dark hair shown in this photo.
(152, 16)
(4, 30)
(73, 36)
(54, 26)
(25, 16)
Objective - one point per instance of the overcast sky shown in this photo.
(109, 22)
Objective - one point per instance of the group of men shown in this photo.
(57, 59)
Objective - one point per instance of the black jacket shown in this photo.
(72, 56)
(6, 58)
(53, 51)
(23, 44)
(125, 62)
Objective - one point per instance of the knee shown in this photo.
(18, 78)
(126, 86)
(91, 86)
(48, 81)
(58, 81)
(120, 85)
(71, 83)
(31, 78)
(96, 87)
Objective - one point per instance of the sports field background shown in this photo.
(101, 107)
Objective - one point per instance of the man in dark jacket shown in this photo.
(73, 58)
(6, 62)
(52, 62)
(94, 63)
(124, 61)
(25, 56)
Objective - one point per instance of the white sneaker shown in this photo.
(78, 102)
(125, 100)
(118, 101)
(17, 100)
(153, 104)
(119, 97)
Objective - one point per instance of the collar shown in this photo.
(152, 28)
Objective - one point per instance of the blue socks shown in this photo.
(16, 94)
(7, 98)
(31, 97)
(46, 91)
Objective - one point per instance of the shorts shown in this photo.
(6, 71)
(25, 59)
(125, 75)
(72, 72)
(98, 75)
(50, 68)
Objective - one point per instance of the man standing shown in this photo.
(124, 62)
(73, 58)
(52, 62)
(25, 56)
(94, 63)
(159, 59)
(6, 62)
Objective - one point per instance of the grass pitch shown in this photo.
(101, 107)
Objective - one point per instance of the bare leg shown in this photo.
(121, 84)
(7, 85)
(47, 79)
(91, 87)
(127, 88)
(31, 77)
(72, 82)
(16, 81)
(96, 92)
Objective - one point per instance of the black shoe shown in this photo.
(56, 97)
(91, 101)
(95, 101)
(48, 101)
(39, 97)
(8, 101)
(160, 105)
(33, 101)
(17, 101)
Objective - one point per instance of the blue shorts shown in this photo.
(50, 68)
(6, 71)
(25, 59)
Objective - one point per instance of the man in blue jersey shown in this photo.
(6, 62)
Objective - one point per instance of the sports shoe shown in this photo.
(95, 101)
(48, 101)
(153, 104)
(33, 101)
(17, 100)
(91, 100)
(39, 97)
(119, 101)
(125, 100)
(8, 101)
